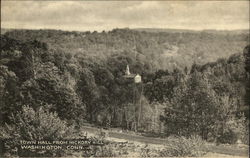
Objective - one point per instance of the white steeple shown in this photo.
(127, 71)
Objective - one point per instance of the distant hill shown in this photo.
(163, 48)
(4, 30)
(157, 30)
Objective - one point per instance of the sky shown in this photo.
(106, 15)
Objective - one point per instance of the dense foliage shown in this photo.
(80, 75)
(42, 125)
(30, 125)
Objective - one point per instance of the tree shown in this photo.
(247, 68)
(9, 92)
(193, 109)
(88, 91)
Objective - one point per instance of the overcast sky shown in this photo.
(106, 15)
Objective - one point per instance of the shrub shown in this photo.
(228, 137)
(181, 146)
(245, 137)
(234, 129)
(34, 125)
(110, 149)
(178, 147)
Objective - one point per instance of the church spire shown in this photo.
(127, 71)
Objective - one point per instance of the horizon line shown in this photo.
(134, 28)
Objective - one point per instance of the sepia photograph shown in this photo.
(124, 78)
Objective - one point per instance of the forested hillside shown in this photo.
(80, 77)
(156, 50)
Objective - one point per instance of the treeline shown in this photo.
(208, 100)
